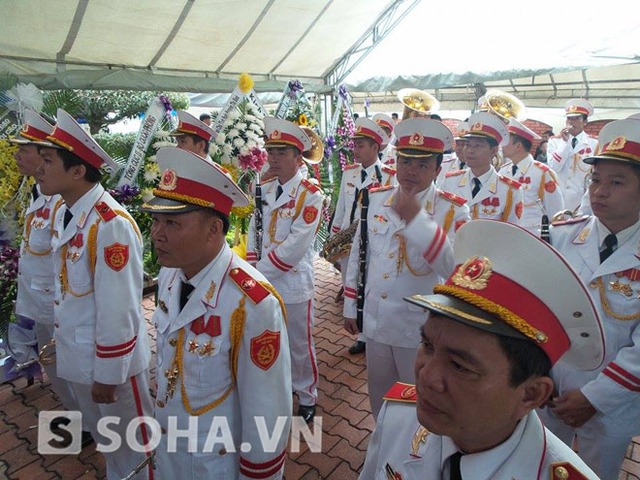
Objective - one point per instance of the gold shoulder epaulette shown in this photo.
(510, 181)
(383, 188)
(105, 211)
(566, 471)
(454, 173)
(452, 197)
(401, 392)
(249, 285)
(542, 166)
(388, 169)
(312, 187)
(570, 221)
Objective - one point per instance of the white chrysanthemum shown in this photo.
(213, 149)
(163, 143)
(239, 142)
(256, 128)
(251, 135)
(250, 118)
(241, 126)
(151, 175)
(152, 159)
(220, 138)
(226, 149)
(234, 115)
(147, 194)
(161, 133)
(233, 133)
(244, 150)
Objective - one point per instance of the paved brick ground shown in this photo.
(343, 405)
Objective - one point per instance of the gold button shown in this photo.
(173, 342)
(391, 254)
(384, 295)
(47, 290)
(295, 270)
(385, 276)
(160, 403)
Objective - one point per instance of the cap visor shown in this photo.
(464, 313)
(595, 158)
(165, 205)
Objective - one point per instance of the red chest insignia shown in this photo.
(309, 214)
(525, 180)
(265, 349)
(491, 202)
(211, 327)
(76, 241)
(290, 204)
(116, 256)
(550, 186)
(43, 213)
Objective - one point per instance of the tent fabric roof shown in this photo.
(180, 45)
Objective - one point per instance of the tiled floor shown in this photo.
(343, 406)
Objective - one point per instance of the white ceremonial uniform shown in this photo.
(538, 182)
(36, 281)
(290, 224)
(613, 389)
(388, 155)
(499, 197)
(567, 162)
(100, 332)
(401, 260)
(450, 163)
(400, 446)
(229, 315)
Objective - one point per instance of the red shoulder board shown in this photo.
(454, 173)
(509, 181)
(566, 471)
(542, 166)
(313, 188)
(350, 167)
(105, 211)
(570, 221)
(453, 198)
(249, 286)
(401, 392)
(381, 189)
(389, 170)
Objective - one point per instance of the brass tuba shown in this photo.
(417, 103)
(316, 152)
(502, 104)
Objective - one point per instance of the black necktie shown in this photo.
(278, 191)
(363, 175)
(514, 169)
(462, 165)
(454, 466)
(185, 291)
(67, 217)
(610, 243)
(574, 140)
(476, 186)
(34, 192)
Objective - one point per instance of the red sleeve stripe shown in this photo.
(262, 470)
(279, 263)
(110, 348)
(436, 246)
(335, 229)
(612, 375)
(118, 353)
(556, 157)
(251, 256)
(350, 292)
(623, 373)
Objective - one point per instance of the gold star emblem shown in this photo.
(207, 349)
(193, 345)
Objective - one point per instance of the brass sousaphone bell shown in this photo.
(417, 103)
(503, 105)
(316, 152)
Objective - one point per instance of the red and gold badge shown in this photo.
(550, 186)
(309, 214)
(473, 274)
(265, 349)
(416, 139)
(169, 180)
(116, 256)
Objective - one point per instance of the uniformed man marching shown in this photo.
(100, 333)
(496, 327)
(601, 409)
(291, 209)
(489, 194)
(223, 352)
(565, 153)
(408, 249)
(539, 184)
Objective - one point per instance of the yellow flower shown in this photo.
(243, 212)
(245, 83)
(303, 120)
(231, 170)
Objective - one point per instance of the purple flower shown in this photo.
(125, 193)
(8, 263)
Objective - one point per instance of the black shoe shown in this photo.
(87, 439)
(307, 412)
(358, 348)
